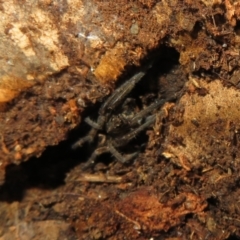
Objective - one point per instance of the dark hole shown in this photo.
(237, 28)
(212, 201)
(49, 170)
(233, 237)
(196, 29)
(219, 19)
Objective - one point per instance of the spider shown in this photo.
(115, 129)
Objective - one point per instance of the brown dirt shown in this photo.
(184, 183)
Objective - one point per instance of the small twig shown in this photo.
(99, 178)
(136, 224)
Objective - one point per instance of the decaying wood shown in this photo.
(59, 57)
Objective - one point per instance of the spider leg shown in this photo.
(120, 93)
(128, 137)
(92, 133)
(158, 103)
(94, 155)
(89, 138)
(128, 101)
(120, 157)
(97, 125)
(91, 123)
(138, 117)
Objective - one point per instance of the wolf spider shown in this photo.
(117, 129)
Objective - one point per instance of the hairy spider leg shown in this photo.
(113, 151)
(89, 138)
(94, 155)
(125, 139)
(120, 157)
(146, 111)
(123, 92)
(137, 119)
(120, 93)
(128, 137)
(97, 125)
(92, 123)
(92, 133)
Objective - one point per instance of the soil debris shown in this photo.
(60, 60)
